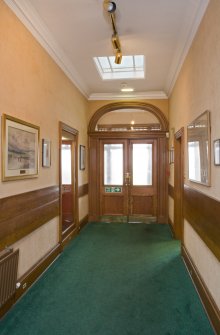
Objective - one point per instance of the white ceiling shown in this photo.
(74, 31)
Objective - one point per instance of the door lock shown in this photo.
(127, 179)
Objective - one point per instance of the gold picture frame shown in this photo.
(20, 149)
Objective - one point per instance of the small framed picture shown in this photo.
(82, 157)
(46, 153)
(217, 152)
(171, 155)
(20, 144)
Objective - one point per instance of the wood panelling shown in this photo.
(203, 213)
(30, 277)
(160, 204)
(112, 205)
(21, 214)
(170, 223)
(143, 205)
(83, 222)
(83, 190)
(171, 191)
(210, 306)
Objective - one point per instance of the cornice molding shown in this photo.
(129, 96)
(30, 18)
(182, 50)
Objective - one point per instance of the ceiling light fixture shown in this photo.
(110, 7)
(125, 88)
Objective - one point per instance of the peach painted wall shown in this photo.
(196, 90)
(33, 88)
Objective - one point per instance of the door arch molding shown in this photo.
(128, 105)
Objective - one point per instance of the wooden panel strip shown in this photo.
(209, 304)
(170, 223)
(83, 222)
(203, 213)
(171, 191)
(83, 190)
(21, 214)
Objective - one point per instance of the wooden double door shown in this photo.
(128, 179)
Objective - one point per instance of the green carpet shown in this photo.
(113, 279)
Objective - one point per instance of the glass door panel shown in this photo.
(113, 164)
(142, 164)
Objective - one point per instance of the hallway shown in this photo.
(113, 279)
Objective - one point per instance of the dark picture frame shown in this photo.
(82, 157)
(217, 152)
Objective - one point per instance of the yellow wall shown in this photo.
(196, 90)
(33, 88)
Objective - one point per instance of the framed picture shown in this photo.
(82, 157)
(46, 153)
(217, 152)
(20, 145)
(171, 155)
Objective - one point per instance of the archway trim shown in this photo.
(128, 105)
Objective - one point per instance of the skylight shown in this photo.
(131, 67)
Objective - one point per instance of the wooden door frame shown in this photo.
(162, 166)
(74, 132)
(178, 183)
(162, 149)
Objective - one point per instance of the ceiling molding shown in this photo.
(30, 18)
(32, 21)
(127, 96)
(182, 50)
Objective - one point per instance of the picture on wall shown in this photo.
(46, 153)
(217, 152)
(82, 157)
(20, 142)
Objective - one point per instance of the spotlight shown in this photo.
(110, 6)
(118, 58)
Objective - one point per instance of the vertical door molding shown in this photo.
(74, 134)
(178, 183)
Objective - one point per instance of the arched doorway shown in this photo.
(128, 162)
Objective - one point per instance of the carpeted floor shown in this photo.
(113, 279)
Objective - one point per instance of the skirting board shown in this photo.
(170, 223)
(206, 298)
(36, 271)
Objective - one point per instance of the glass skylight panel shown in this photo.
(131, 67)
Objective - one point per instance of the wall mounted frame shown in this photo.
(20, 149)
(46, 153)
(199, 156)
(82, 157)
(217, 152)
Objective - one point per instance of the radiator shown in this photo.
(8, 274)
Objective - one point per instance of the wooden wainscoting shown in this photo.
(203, 213)
(23, 213)
(171, 194)
(210, 306)
(83, 190)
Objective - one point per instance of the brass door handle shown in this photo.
(127, 179)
